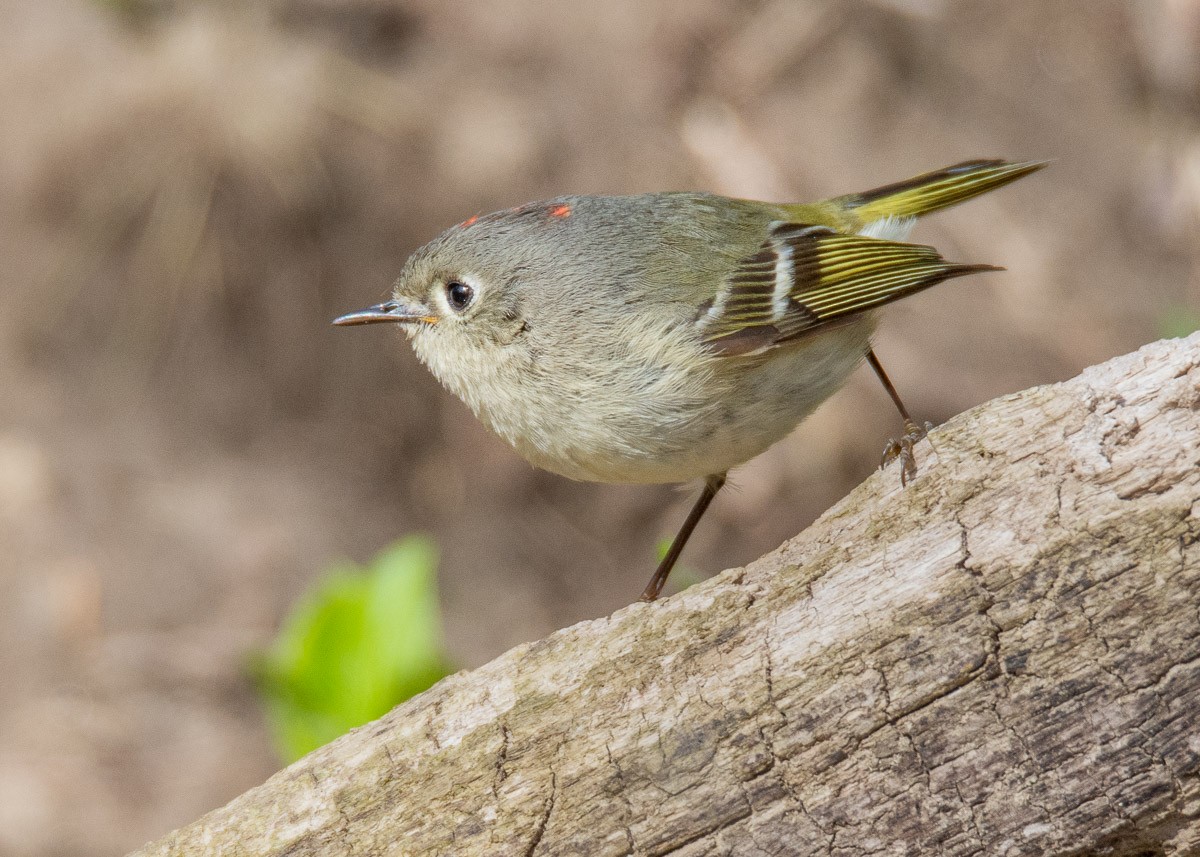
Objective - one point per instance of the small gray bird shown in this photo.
(669, 336)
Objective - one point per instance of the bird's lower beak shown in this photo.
(391, 311)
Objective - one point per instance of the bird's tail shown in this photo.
(933, 191)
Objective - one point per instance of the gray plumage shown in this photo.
(584, 347)
(668, 336)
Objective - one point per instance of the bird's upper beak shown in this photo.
(392, 311)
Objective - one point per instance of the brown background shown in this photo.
(191, 191)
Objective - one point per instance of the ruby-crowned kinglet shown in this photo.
(669, 336)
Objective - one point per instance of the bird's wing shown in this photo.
(805, 278)
(933, 191)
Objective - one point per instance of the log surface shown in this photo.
(1002, 658)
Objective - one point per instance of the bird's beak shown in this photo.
(391, 311)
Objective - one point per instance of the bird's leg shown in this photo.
(711, 486)
(902, 447)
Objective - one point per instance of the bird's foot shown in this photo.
(902, 448)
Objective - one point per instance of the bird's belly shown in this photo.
(746, 409)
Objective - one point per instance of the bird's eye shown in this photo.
(459, 295)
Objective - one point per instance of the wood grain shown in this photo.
(1002, 658)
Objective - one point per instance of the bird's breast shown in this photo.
(651, 405)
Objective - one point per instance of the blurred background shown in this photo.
(189, 192)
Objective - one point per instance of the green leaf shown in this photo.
(1178, 321)
(359, 643)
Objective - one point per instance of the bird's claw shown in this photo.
(902, 448)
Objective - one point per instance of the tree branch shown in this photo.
(1001, 658)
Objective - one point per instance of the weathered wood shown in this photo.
(1002, 658)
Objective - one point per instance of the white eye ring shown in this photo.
(456, 294)
(459, 295)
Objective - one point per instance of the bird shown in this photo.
(671, 336)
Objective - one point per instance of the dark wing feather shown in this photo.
(804, 279)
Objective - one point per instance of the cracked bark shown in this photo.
(1001, 658)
